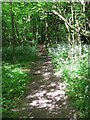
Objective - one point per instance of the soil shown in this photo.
(46, 95)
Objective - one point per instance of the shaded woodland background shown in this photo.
(63, 28)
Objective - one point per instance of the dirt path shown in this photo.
(46, 96)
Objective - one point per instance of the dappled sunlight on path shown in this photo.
(46, 95)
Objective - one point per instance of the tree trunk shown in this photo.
(46, 33)
(13, 32)
(17, 32)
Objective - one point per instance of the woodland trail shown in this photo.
(46, 94)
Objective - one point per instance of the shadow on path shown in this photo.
(46, 96)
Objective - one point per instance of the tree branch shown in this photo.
(81, 33)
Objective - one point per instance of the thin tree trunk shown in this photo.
(17, 32)
(13, 32)
(46, 33)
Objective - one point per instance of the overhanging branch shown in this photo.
(76, 30)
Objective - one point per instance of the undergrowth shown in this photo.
(15, 77)
(14, 81)
(75, 73)
(22, 53)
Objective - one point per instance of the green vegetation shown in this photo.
(14, 83)
(64, 29)
(22, 53)
(16, 76)
(75, 73)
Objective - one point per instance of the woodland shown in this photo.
(61, 30)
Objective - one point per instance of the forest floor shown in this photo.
(46, 94)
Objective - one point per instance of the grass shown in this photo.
(15, 77)
(22, 53)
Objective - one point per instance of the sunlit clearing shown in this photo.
(46, 78)
(25, 70)
(37, 72)
(15, 110)
(47, 74)
(49, 98)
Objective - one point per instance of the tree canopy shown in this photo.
(61, 32)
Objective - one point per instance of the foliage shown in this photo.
(13, 84)
(36, 21)
(75, 73)
(22, 53)
(25, 25)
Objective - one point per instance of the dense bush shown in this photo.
(14, 78)
(13, 85)
(22, 53)
(76, 75)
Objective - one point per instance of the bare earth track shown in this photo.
(46, 94)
